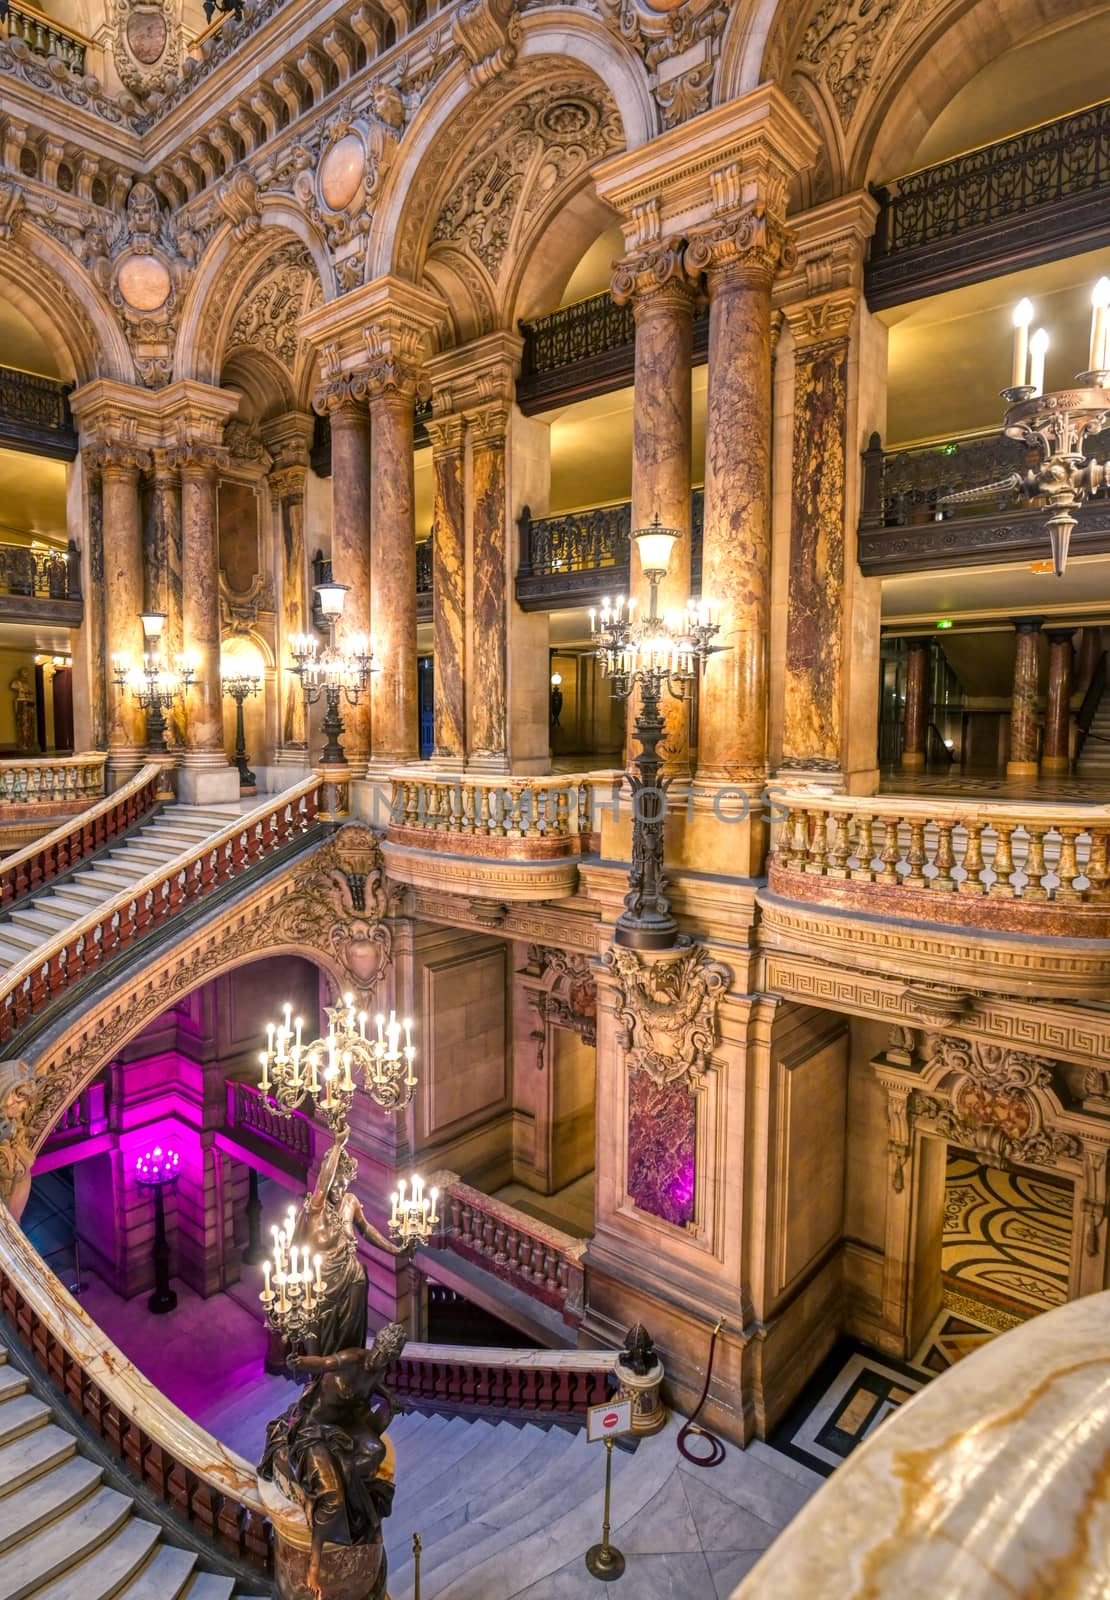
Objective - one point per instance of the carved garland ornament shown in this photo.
(668, 1011)
(336, 905)
(565, 994)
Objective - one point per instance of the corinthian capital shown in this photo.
(654, 273)
(342, 392)
(200, 455)
(396, 348)
(752, 245)
(118, 455)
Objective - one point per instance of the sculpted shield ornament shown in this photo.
(147, 46)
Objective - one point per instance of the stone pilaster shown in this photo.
(1056, 755)
(205, 775)
(662, 296)
(488, 707)
(1023, 712)
(449, 588)
(288, 439)
(342, 399)
(163, 570)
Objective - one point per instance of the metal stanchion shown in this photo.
(604, 1560)
(416, 1548)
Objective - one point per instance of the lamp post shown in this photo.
(337, 673)
(556, 704)
(240, 686)
(157, 1170)
(1056, 425)
(657, 655)
(155, 685)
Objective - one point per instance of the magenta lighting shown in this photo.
(157, 1166)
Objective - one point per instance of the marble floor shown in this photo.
(954, 783)
(570, 1209)
(1007, 1236)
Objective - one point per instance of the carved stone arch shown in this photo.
(53, 291)
(225, 268)
(467, 292)
(332, 909)
(909, 93)
(825, 178)
(562, 989)
(267, 387)
(454, 111)
(751, 46)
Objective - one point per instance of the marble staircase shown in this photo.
(1094, 758)
(67, 1535)
(174, 831)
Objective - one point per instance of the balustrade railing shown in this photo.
(45, 36)
(86, 1115)
(948, 850)
(248, 1108)
(30, 987)
(198, 1478)
(559, 1384)
(545, 1263)
(35, 410)
(1007, 179)
(51, 781)
(71, 842)
(572, 558)
(577, 332)
(43, 574)
(500, 816)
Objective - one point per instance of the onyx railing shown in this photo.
(543, 1262)
(44, 36)
(903, 490)
(560, 1385)
(583, 349)
(504, 817)
(940, 860)
(574, 559)
(249, 1108)
(28, 869)
(34, 411)
(84, 950)
(52, 782)
(1035, 196)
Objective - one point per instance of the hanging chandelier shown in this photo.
(1056, 425)
(294, 1285)
(294, 1072)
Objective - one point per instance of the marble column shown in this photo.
(205, 775)
(815, 642)
(740, 258)
(394, 702)
(449, 588)
(343, 401)
(1023, 713)
(1056, 754)
(163, 575)
(915, 713)
(119, 465)
(287, 494)
(487, 697)
(662, 296)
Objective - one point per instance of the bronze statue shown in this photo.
(328, 1449)
(327, 1225)
(638, 1351)
(23, 706)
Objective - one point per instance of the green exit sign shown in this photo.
(944, 622)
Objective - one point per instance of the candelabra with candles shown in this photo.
(655, 654)
(413, 1217)
(1055, 424)
(293, 1072)
(338, 673)
(156, 684)
(293, 1285)
(157, 1170)
(241, 686)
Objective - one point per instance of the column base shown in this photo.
(380, 766)
(446, 763)
(123, 763)
(912, 761)
(1055, 766)
(1022, 769)
(813, 774)
(293, 755)
(201, 785)
(492, 761)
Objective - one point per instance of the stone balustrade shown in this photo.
(520, 819)
(993, 864)
(560, 1385)
(52, 782)
(545, 1263)
(248, 1107)
(92, 944)
(45, 36)
(199, 1479)
(28, 869)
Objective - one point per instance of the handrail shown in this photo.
(45, 36)
(470, 1378)
(201, 1479)
(491, 813)
(1086, 714)
(248, 1107)
(79, 837)
(52, 780)
(47, 971)
(541, 1260)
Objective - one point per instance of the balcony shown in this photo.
(1033, 197)
(574, 559)
(903, 527)
(38, 585)
(583, 349)
(45, 36)
(34, 411)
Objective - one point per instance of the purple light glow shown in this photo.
(157, 1166)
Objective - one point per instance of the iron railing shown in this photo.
(35, 411)
(45, 574)
(570, 559)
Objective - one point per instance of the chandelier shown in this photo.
(657, 654)
(1055, 425)
(323, 1071)
(338, 673)
(155, 684)
(413, 1217)
(294, 1285)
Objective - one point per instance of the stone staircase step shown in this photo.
(27, 1457)
(54, 1549)
(208, 1586)
(513, 1461)
(21, 1415)
(448, 1465)
(12, 1382)
(46, 1498)
(39, 920)
(165, 1577)
(114, 1562)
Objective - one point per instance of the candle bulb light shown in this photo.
(1023, 316)
(1038, 349)
(414, 1216)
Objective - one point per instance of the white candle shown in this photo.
(319, 1276)
(267, 1293)
(1023, 316)
(1100, 325)
(1038, 346)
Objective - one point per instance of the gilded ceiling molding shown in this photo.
(667, 1011)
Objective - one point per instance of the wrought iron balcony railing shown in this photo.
(35, 414)
(582, 349)
(1031, 197)
(47, 574)
(44, 36)
(571, 560)
(321, 573)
